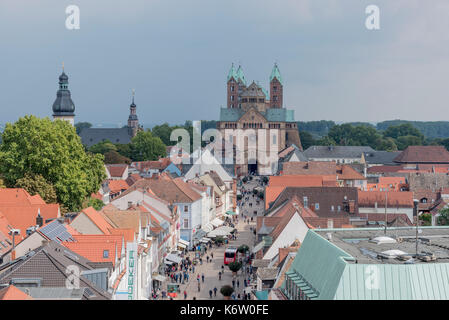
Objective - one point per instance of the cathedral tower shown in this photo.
(276, 88)
(133, 121)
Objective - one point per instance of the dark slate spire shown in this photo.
(63, 105)
(133, 121)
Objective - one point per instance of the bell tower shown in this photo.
(276, 88)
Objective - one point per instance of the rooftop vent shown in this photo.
(383, 240)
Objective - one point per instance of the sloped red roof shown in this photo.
(98, 219)
(423, 154)
(395, 199)
(12, 293)
(94, 251)
(116, 170)
(322, 223)
(117, 185)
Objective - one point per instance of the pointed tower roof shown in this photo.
(241, 75)
(232, 73)
(275, 73)
(63, 105)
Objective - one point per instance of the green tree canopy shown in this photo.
(81, 125)
(103, 147)
(443, 219)
(37, 184)
(405, 129)
(53, 150)
(307, 139)
(112, 157)
(147, 147)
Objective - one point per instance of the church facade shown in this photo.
(254, 114)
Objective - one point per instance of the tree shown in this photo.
(97, 204)
(243, 248)
(37, 184)
(53, 150)
(81, 125)
(404, 141)
(146, 147)
(405, 129)
(326, 141)
(103, 147)
(112, 157)
(426, 219)
(226, 291)
(235, 266)
(163, 132)
(387, 144)
(307, 139)
(443, 218)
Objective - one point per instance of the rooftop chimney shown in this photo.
(39, 219)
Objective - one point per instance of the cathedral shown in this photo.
(253, 109)
(64, 108)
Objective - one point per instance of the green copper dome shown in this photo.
(232, 73)
(275, 73)
(241, 75)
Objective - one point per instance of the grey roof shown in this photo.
(91, 136)
(253, 91)
(261, 263)
(56, 293)
(299, 154)
(267, 273)
(381, 157)
(336, 151)
(48, 264)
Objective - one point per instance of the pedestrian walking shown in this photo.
(219, 275)
(233, 283)
(238, 283)
(210, 294)
(207, 258)
(199, 286)
(212, 255)
(244, 283)
(202, 277)
(215, 291)
(185, 294)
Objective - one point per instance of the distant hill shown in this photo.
(430, 129)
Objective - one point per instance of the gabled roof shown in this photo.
(49, 263)
(310, 168)
(12, 293)
(98, 219)
(423, 154)
(116, 170)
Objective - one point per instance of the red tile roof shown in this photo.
(94, 251)
(117, 185)
(116, 170)
(423, 154)
(12, 293)
(98, 219)
(310, 167)
(128, 233)
(346, 172)
(322, 223)
(383, 169)
(395, 199)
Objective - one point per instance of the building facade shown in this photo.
(260, 116)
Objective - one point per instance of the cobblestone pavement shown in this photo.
(211, 269)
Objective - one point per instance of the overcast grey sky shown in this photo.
(176, 54)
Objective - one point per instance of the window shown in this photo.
(306, 202)
(186, 223)
(274, 139)
(317, 206)
(332, 208)
(275, 98)
(232, 88)
(232, 98)
(105, 254)
(275, 89)
(338, 208)
(186, 208)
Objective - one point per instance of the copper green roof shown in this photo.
(275, 73)
(327, 268)
(241, 75)
(232, 73)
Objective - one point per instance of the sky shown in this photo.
(176, 55)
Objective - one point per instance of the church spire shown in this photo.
(275, 73)
(63, 107)
(133, 121)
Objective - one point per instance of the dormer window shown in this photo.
(105, 254)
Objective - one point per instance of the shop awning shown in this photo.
(217, 222)
(184, 242)
(182, 245)
(258, 247)
(158, 277)
(172, 258)
(231, 213)
(208, 227)
(205, 240)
